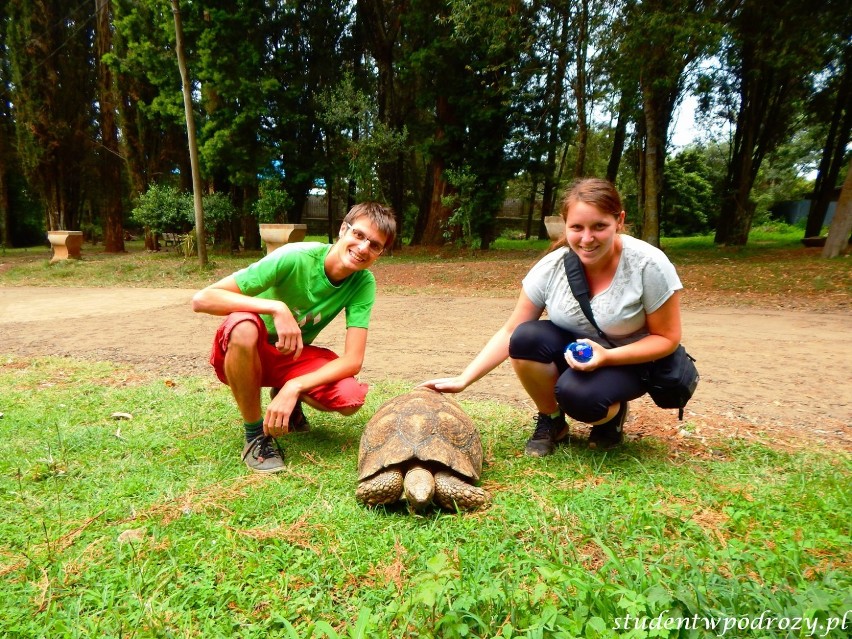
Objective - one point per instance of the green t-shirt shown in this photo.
(295, 274)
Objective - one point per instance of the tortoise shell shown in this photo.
(422, 425)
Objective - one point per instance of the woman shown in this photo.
(635, 299)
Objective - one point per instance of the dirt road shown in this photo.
(775, 370)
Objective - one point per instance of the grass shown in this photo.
(773, 269)
(152, 527)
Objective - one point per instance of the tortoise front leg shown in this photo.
(453, 493)
(383, 488)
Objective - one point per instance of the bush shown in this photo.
(163, 208)
(217, 209)
(272, 205)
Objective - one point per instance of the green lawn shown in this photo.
(152, 527)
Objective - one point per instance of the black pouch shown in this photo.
(671, 381)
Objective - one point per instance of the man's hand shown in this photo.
(276, 421)
(289, 333)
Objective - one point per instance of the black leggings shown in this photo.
(585, 396)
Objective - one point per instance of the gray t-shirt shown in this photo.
(643, 281)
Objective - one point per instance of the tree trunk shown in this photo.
(656, 124)
(381, 28)
(531, 212)
(619, 135)
(200, 235)
(833, 152)
(581, 89)
(5, 217)
(111, 162)
(423, 207)
(737, 209)
(555, 84)
(841, 224)
(437, 222)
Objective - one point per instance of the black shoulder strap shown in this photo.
(580, 289)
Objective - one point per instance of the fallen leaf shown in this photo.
(170, 383)
(131, 535)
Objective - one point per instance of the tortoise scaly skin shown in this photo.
(421, 446)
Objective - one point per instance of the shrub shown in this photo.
(272, 205)
(163, 208)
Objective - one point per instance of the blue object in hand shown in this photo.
(581, 352)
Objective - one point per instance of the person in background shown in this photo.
(275, 308)
(635, 299)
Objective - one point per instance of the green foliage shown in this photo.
(462, 202)
(272, 205)
(163, 208)
(690, 202)
(53, 79)
(151, 526)
(218, 209)
(360, 144)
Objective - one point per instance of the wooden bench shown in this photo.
(172, 239)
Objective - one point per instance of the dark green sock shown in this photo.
(253, 430)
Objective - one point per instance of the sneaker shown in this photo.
(298, 421)
(611, 433)
(263, 455)
(548, 431)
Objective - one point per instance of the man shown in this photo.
(275, 308)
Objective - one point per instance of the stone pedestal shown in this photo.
(66, 245)
(275, 235)
(555, 226)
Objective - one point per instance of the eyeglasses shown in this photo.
(374, 247)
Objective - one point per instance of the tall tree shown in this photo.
(7, 133)
(663, 37)
(305, 58)
(50, 47)
(772, 57)
(110, 158)
(150, 110)
(580, 83)
(467, 66)
(837, 136)
(380, 28)
(557, 56)
(841, 225)
(235, 85)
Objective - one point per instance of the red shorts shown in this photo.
(277, 368)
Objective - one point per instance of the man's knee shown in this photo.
(244, 336)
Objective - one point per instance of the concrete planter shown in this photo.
(555, 226)
(275, 235)
(66, 245)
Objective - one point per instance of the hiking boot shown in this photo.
(298, 422)
(611, 433)
(263, 455)
(548, 431)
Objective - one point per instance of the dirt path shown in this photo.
(771, 372)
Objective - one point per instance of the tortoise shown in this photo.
(423, 446)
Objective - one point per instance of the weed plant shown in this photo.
(153, 527)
